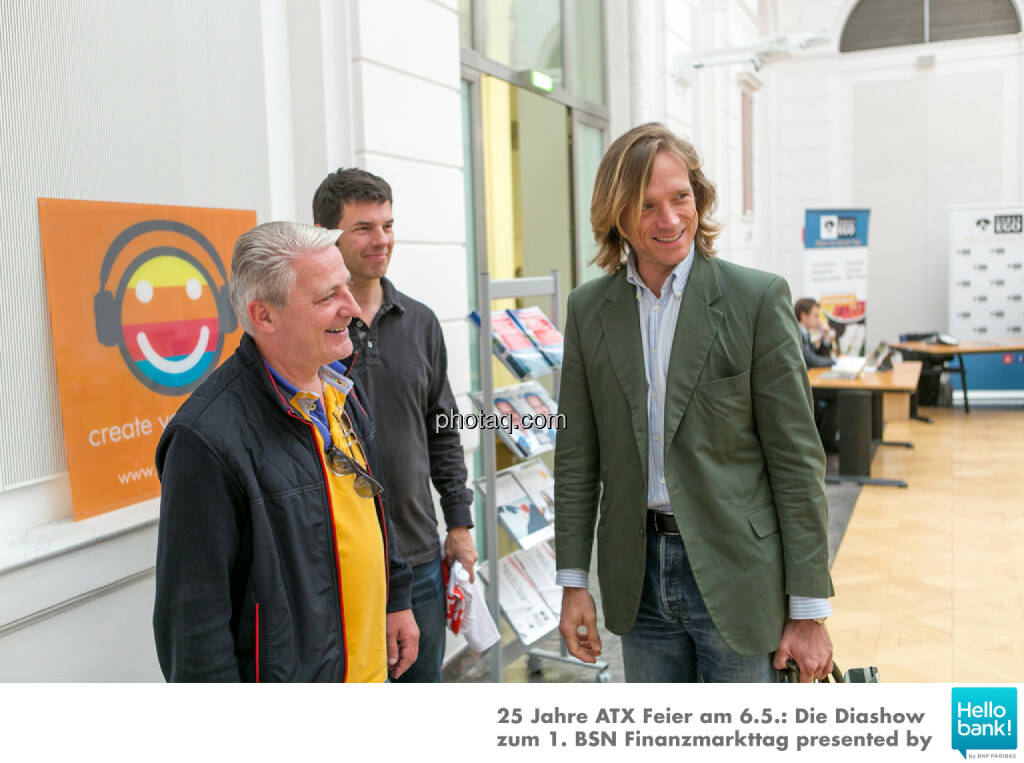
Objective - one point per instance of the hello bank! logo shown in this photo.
(167, 315)
(984, 718)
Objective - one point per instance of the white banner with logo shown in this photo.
(986, 271)
(986, 289)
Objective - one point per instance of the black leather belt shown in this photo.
(662, 523)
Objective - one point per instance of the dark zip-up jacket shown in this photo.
(247, 582)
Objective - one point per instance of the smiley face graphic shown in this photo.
(169, 321)
(167, 317)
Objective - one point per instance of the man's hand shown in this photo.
(808, 644)
(828, 335)
(403, 641)
(459, 545)
(578, 613)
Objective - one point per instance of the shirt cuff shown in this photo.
(458, 515)
(804, 608)
(571, 578)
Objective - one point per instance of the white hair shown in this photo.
(261, 266)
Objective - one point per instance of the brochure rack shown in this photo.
(488, 290)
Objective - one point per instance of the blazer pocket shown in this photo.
(764, 521)
(721, 414)
(739, 382)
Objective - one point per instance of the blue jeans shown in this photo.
(673, 639)
(428, 609)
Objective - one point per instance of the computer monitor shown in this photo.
(880, 358)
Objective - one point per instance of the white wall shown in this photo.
(405, 56)
(833, 129)
(704, 105)
(618, 87)
(874, 129)
(161, 102)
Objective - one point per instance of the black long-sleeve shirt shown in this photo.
(403, 364)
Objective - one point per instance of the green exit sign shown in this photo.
(541, 81)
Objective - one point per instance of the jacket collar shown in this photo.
(256, 367)
(696, 329)
(695, 333)
(620, 322)
(248, 353)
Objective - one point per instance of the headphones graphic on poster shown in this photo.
(167, 317)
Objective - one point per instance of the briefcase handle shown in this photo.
(791, 674)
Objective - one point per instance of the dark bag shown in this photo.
(869, 675)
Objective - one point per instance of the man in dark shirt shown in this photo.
(402, 361)
(808, 317)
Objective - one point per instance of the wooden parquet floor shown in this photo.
(930, 579)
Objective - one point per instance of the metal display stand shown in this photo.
(487, 291)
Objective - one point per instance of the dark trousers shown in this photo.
(674, 639)
(428, 609)
(826, 417)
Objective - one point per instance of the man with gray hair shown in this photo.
(276, 559)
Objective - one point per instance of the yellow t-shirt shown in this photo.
(362, 567)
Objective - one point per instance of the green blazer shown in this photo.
(744, 465)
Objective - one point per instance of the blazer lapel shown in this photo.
(620, 321)
(695, 332)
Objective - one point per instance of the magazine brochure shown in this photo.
(535, 478)
(523, 520)
(529, 598)
(536, 409)
(513, 347)
(523, 442)
(542, 332)
(524, 607)
(514, 408)
(539, 565)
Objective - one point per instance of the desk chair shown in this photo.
(933, 366)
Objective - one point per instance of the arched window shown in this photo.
(888, 23)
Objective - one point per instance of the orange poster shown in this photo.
(140, 315)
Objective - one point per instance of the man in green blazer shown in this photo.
(689, 442)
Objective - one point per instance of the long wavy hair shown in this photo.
(621, 183)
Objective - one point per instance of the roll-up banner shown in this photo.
(986, 289)
(836, 271)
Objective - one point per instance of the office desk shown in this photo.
(862, 418)
(964, 348)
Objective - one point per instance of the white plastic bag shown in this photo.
(466, 609)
